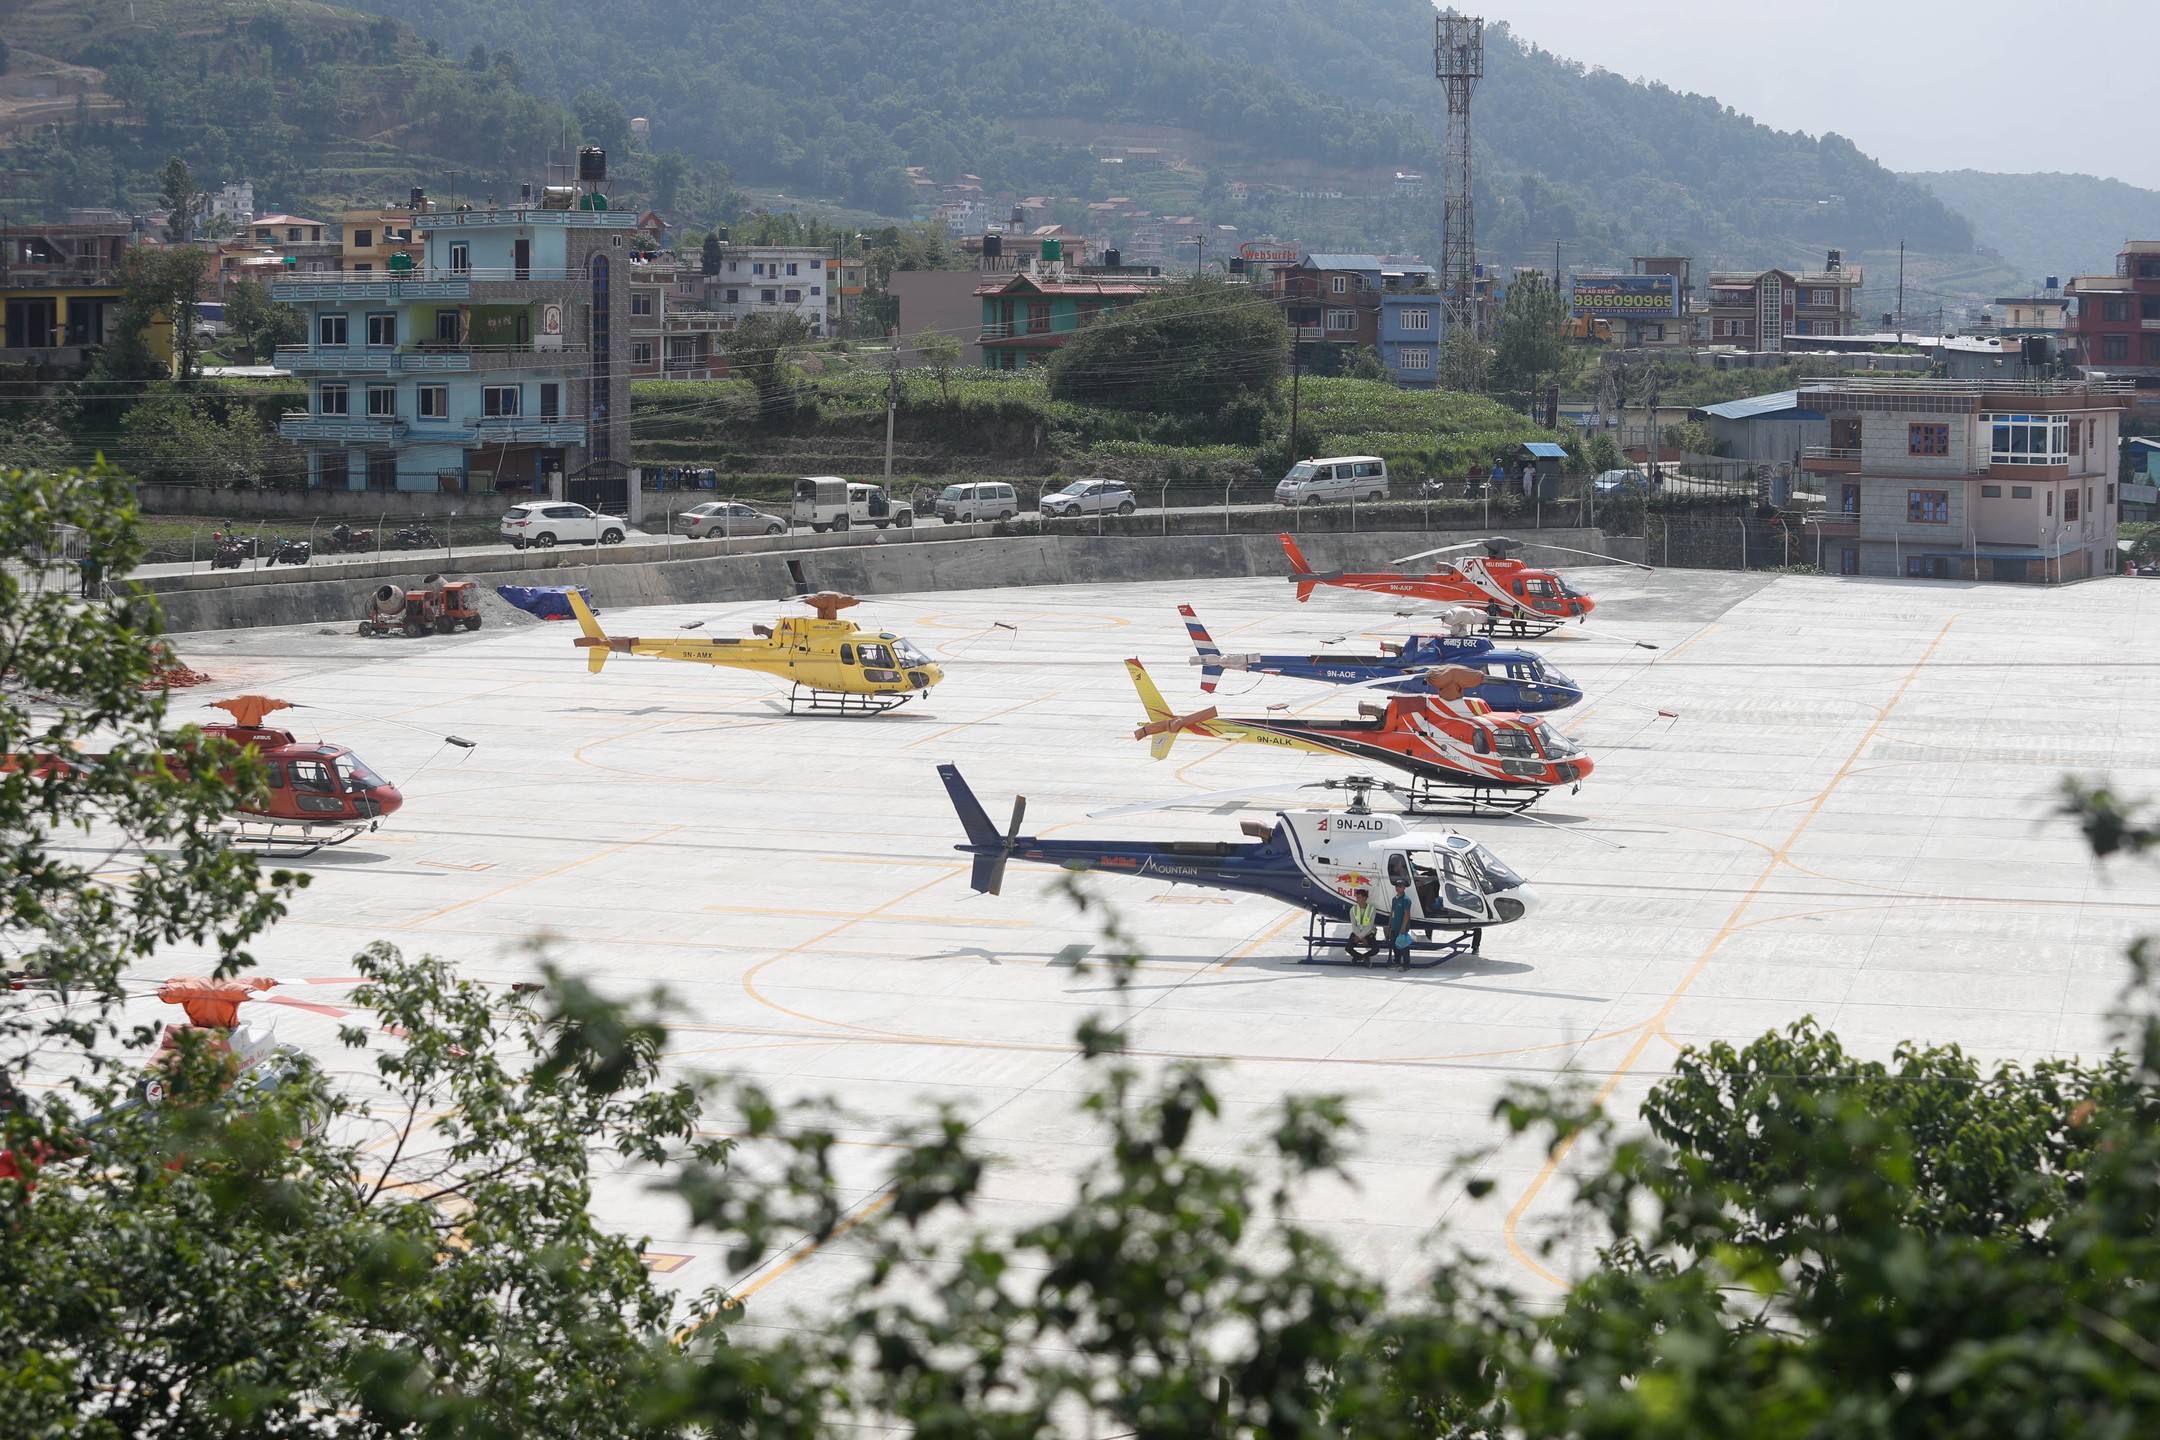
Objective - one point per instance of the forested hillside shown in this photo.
(1570, 151)
(835, 96)
(2050, 224)
(312, 103)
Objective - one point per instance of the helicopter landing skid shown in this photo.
(802, 701)
(1516, 629)
(1429, 797)
(285, 840)
(1326, 943)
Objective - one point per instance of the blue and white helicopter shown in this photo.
(1315, 860)
(1519, 680)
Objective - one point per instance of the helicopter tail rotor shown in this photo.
(988, 876)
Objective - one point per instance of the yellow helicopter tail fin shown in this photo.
(595, 641)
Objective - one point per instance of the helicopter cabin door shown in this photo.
(315, 788)
(1441, 885)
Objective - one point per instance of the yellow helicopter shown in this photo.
(835, 666)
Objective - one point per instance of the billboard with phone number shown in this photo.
(1622, 295)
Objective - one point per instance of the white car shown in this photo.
(553, 522)
(1091, 497)
(725, 517)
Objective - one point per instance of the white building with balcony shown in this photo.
(772, 280)
(1968, 479)
(499, 362)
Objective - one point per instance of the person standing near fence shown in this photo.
(93, 575)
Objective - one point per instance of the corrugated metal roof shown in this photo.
(1756, 406)
(1343, 262)
(1546, 450)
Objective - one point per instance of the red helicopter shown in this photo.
(1459, 752)
(320, 794)
(1516, 599)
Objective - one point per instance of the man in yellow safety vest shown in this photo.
(1364, 940)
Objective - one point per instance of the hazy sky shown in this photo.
(1919, 84)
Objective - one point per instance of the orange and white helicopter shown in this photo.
(1459, 752)
(319, 794)
(1518, 599)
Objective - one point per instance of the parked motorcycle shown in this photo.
(290, 552)
(226, 555)
(343, 540)
(245, 545)
(417, 537)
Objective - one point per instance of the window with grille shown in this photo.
(1927, 507)
(1417, 319)
(1927, 439)
(1416, 358)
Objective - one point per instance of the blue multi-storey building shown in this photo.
(1413, 328)
(500, 362)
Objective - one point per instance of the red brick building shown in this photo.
(1758, 309)
(2117, 325)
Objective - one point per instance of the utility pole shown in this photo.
(892, 405)
(1458, 64)
(1901, 292)
(1297, 366)
(1199, 252)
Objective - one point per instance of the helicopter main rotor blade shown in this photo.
(1593, 554)
(1440, 550)
(1204, 798)
(1519, 815)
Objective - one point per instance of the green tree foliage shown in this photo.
(205, 440)
(1529, 337)
(183, 200)
(262, 323)
(1194, 348)
(761, 350)
(940, 354)
(709, 255)
(158, 287)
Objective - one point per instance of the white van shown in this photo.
(828, 502)
(986, 500)
(1335, 479)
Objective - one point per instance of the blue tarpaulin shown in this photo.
(549, 602)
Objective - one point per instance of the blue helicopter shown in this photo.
(1518, 680)
(1316, 860)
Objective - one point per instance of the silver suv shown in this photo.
(1091, 497)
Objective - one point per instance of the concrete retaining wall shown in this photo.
(623, 578)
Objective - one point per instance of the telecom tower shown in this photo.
(1458, 64)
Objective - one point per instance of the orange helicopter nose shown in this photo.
(382, 800)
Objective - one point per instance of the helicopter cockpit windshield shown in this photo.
(1546, 673)
(909, 655)
(355, 778)
(1556, 745)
